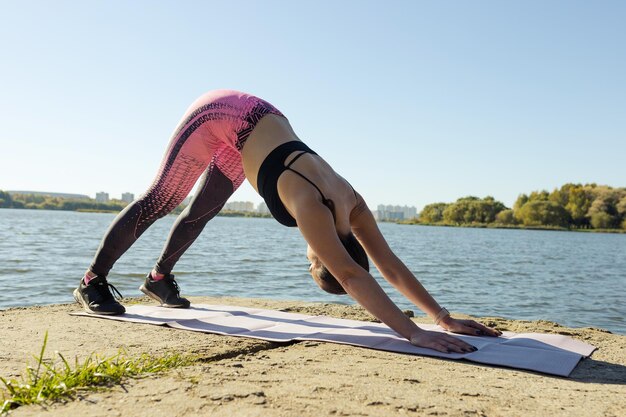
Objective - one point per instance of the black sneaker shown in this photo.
(165, 291)
(96, 298)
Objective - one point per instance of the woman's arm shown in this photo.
(317, 226)
(397, 274)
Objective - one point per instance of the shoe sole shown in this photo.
(86, 307)
(155, 297)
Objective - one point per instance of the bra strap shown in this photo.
(328, 203)
(310, 182)
(294, 160)
(288, 167)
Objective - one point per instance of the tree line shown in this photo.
(43, 202)
(36, 201)
(572, 206)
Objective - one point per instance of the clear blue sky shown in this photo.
(413, 102)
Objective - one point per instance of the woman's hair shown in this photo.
(327, 281)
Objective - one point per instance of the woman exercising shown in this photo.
(229, 136)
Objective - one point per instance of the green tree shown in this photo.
(542, 195)
(506, 217)
(578, 203)
(562, 195)
(543, 213)
(517, 206)
(5, 199)
(603, 212)
(621, 207)
(492, 208)
(433, 213)
(454, 213)
(473, 210)
(603, 220)
(519, 203)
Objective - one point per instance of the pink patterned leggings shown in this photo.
(208, 142)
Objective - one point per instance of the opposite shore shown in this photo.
(244, 377)
(572, 207)
(416, 222)
(411, 222)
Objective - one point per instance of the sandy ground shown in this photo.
(246, 377)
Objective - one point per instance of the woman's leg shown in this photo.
(189, 152)
(223, 176)
(173, 183)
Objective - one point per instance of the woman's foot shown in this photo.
(96, 298)
(165, 291)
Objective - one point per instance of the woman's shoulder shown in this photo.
(359, 207)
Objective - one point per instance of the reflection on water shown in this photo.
(576, 279)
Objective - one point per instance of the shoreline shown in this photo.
(175, 212)
(514, 227)
(238, 376)
(230, 213)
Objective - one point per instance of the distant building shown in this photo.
(128, 197)
(102, 197)
(48, 194)
(395, 213)
(239, 206)
(262, 208)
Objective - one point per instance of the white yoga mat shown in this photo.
(547, 353)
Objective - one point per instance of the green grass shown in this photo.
(55, 379)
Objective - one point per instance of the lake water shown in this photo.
(576, 279)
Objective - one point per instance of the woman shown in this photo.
(230, 136)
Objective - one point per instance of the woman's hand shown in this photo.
(470, 327)
(441, 342)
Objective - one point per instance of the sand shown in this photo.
(246, 377)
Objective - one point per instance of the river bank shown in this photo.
(413, 222)
(246, 377)
(175, 212)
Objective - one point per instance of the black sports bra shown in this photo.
(267, 180)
